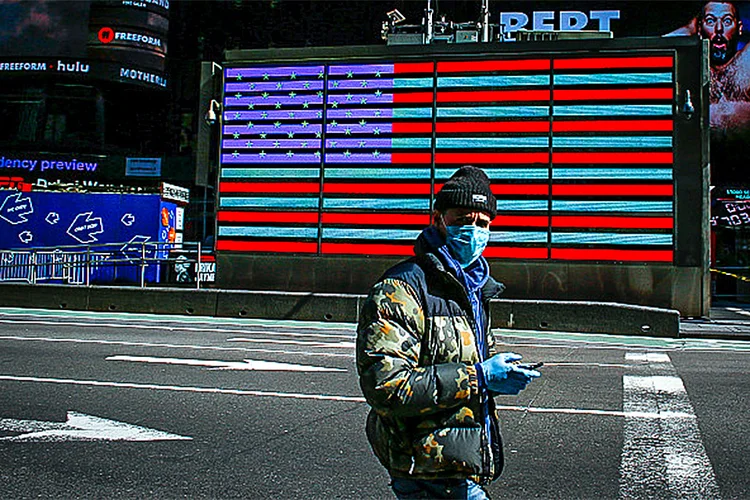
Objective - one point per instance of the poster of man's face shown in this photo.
(719, 22)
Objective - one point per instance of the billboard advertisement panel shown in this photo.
(65, 223)
(343, 158)
(82, 40)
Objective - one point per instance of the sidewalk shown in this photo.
(728, 321)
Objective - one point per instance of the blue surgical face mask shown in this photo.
(467, 243)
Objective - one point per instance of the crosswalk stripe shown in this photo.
(661, 457)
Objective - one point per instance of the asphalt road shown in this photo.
(97, 405)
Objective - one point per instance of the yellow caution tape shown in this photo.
(742, 278)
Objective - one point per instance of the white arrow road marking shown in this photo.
(82, 427)
(247, 364)
(661, 457)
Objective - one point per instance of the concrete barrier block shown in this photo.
(294, 306)
(154, 300)
(501, 314)
(44, 297)
(594, 317)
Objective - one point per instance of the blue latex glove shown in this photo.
(516, 381)
(502, 376)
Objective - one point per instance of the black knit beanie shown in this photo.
(468, 187)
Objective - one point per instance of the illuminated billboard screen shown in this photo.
(80, 40)
(724, 25)
(344, 158)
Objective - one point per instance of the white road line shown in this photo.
(600, 413)
(177, 388)
(336, 345)
(191, 320)
(558, 341)
(737, 310)
(660, 415)
(132, 326)
(329, 345)
(587, 365)
(661, 458)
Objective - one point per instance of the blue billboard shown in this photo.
(85, 222)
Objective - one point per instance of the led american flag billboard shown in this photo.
(343, 158)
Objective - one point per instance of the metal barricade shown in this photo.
(140, 263)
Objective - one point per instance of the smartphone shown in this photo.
(530, 366)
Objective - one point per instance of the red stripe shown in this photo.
(494, 96)
(520, 221)
(612, 190)
(612, 94)
(507, 126)
(485, 158)
(614, 62)
(377, 219)
(613, 126)
(422, 67)
(612, 158)
(411, 158)
(609, 222)
(367, 249)
(266, 246)
(412, 127)
(514, 253)
(377, 188)
(412, 97)
(269, 187)
(510, 189)
(293, 217)
(482, 66)
(527, 189)
(613, 255)
(208, 258)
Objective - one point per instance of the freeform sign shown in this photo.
(565, 20)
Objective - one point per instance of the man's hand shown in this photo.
(502, 376)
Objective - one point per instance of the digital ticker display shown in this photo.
(343, 158)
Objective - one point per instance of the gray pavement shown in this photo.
(611, 417)
(728, 320)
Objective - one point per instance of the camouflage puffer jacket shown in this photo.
(416, 352)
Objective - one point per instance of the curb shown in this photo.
(551, 315)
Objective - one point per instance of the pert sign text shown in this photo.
(565, 20)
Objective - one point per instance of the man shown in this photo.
(719, 22)
(425, 354)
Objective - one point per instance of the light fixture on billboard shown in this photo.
(688, 107)
(212, 115)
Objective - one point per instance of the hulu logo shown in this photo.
(77, 67)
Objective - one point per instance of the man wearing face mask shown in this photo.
(426, 356)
